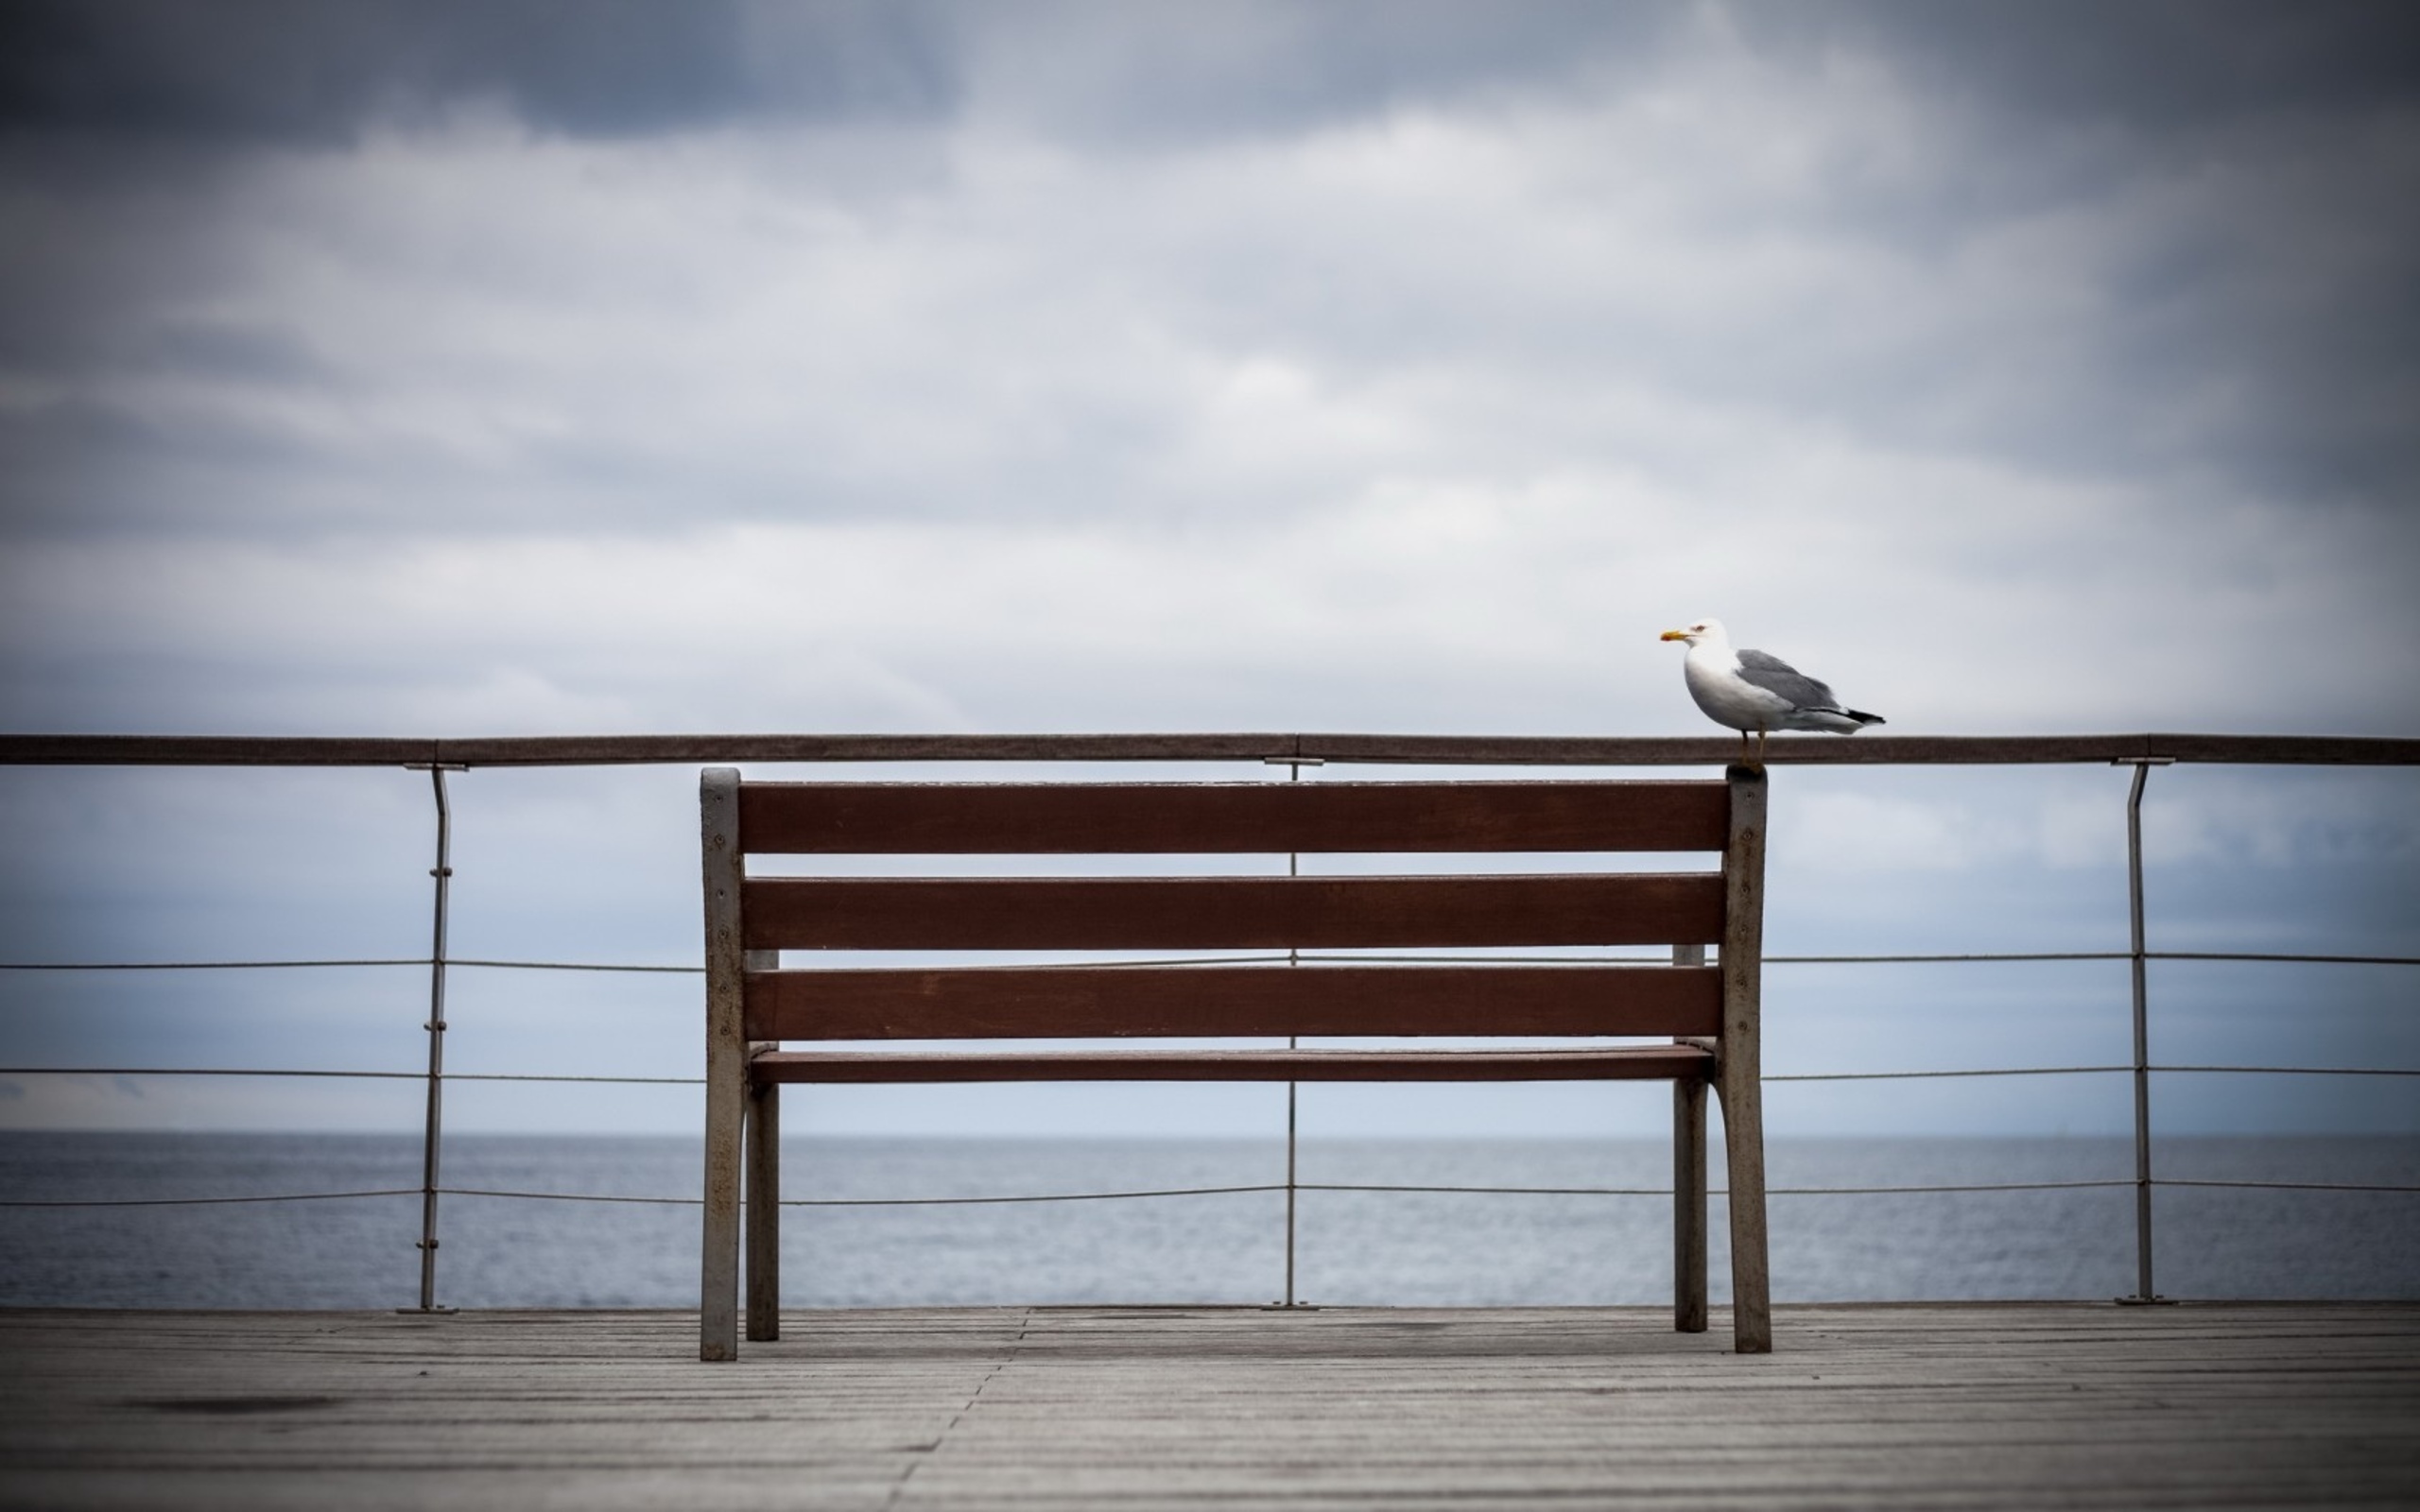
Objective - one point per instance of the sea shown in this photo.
(889, 1227)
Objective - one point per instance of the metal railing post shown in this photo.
(2138, 964)
(1293, 958)
(432, 1128)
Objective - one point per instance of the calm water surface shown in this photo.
(1351, 1247)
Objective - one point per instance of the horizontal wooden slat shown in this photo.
(1622, 1063)
(1197, 817)
(1230, 913)
(1094, 1002)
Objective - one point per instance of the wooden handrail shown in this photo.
(1415, 750)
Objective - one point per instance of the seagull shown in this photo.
(1756, 690)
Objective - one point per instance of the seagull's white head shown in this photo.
(1704, 630)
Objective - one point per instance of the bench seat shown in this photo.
(1612, 1063)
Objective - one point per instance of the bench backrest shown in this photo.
(1222, 913)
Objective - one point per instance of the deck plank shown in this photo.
(2016, 1405)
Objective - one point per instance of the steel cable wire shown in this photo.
(994, 1199)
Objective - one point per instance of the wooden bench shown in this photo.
(1705, 1017)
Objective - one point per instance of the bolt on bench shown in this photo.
(1706, 1016)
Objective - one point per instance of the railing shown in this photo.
(439, 757)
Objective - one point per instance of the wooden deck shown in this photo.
(2017, 1405)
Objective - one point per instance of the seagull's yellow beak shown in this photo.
(1673, 635)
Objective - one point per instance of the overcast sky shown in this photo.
(461, 370)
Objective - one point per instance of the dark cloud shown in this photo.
(241, 72)
(2260, 317)
(1126, 76)
(248, 72)
(2156, 65)
(2256, 321)
(317, 70)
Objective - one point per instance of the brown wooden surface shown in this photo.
(1690, 1189)
(1689, 1227)
(1209, 818)
(761, 1185)
(1977, 1407)
(1094, 1002)
(1617, 1063)
(1230, 913)
(721, 886)
(1441, 750)
(1740, 1085)
(762, 1191)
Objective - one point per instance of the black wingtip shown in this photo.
(1864, 719)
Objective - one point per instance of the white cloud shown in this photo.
(1485, 388)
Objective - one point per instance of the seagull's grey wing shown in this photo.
(1764, 670)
